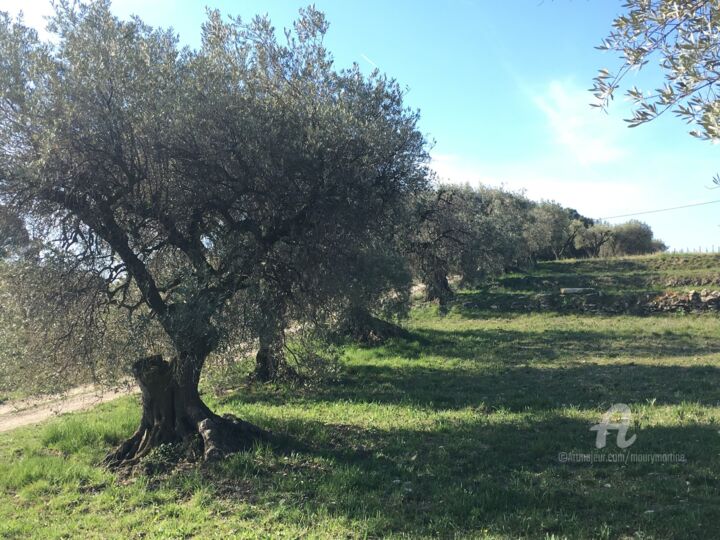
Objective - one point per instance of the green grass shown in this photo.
(454, 432)
(623, 274)
(624, 284)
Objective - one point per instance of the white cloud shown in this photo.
(34, 12)
(587, 134)
(450, 168)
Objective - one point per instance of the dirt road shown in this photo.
(25, 412)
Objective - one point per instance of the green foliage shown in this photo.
(472, 232)
(630, 238)
(684, 39)
(634, 238)
(40, 353)
(552, 230)
(215, 194)
(593, 238)
(13, 234)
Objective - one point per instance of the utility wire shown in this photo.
(662, 210)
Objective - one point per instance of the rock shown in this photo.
(671, 301)
(577, 290)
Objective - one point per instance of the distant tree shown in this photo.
(632, 238)
(552, 230)
(506, 222)
(658, 246)
(377, 296)
(575, 227)
(592, 239)
(352, 292)
(684, 37)
(473, 233)
(210, 191)
(442, 234)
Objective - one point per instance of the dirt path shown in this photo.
(25, 412)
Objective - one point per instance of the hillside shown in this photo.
(637, 285)
(471, 427)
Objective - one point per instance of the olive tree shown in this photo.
(592, 239)
(377, 297)
(632, 238)
(506, 218)
(444, 233)
(474, 233)
(552, 230)
(198, 188)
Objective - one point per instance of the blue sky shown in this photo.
(502, 89)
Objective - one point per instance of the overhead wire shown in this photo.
(642, 213)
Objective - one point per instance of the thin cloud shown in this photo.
(586, 134)
(373, 64)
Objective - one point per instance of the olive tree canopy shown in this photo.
(178, 180)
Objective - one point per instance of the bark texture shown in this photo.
(172, 412)
(269, 360)
(437, 287)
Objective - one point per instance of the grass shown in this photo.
(453, 432)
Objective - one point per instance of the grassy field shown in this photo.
(462, 430)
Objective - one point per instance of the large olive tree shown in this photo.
(187, 181)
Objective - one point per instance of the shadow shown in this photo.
(604, 282)
(486, 414)
(476, 477)
(528, 389)
(513, 347)
(489, 303)
(514, 370)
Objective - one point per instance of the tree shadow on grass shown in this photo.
(493, 467)
(521, 389)
(493, 303)
(512, 347)
(505, 479)
(516, 371)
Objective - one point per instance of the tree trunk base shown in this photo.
(362, 327)
(269, 363)
(438, 288)
(173, 414)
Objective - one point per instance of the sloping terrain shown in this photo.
(475, 426)
(633, 285)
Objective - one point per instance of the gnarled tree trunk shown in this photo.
(437, 287)
(362, 326)
(173, 412)
(270, 361)
(270, 358)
